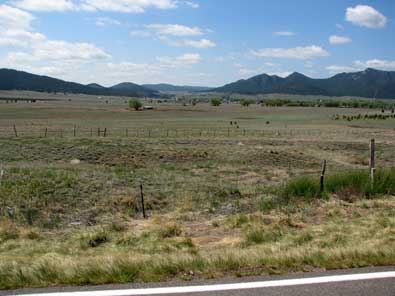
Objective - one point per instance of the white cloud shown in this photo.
(44, 5)
(303, 53)
(284, 33)
(19, 38)
(366, 16)
(201, 44)
(127, 6)
(376, 64)
(62, 50)
(106, 21)
(175, 30)
(180, 61)
(192, 4)
(334, 69)
(362, 65)
(334, 39)
(15, 27)
(14, 18)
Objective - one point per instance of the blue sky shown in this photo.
(194, 42)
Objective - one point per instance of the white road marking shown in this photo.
(228, 287)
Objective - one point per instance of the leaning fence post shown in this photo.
(322, 176)
(372, 161)
(142, 200)
(15, 131)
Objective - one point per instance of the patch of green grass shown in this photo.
(305, 187)
(263, 235)
(345, 184)
(93, 238)
(8, 231)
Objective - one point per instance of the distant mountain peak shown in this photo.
(368, 83)
(296, 74)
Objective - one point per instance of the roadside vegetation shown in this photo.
(229, 204)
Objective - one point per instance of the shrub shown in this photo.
(135, 104)
(216, 102)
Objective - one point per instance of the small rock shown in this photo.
(75, 161)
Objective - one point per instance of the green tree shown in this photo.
(135, 104)
(246, 102)
(216, 102)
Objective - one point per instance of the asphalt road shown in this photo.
(378, 281)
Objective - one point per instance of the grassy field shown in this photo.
(221, 199)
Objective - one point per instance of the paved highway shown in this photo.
(355, 282)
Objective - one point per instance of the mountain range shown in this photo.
(369, 83)
(18, 80)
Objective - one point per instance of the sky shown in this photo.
(194, 42)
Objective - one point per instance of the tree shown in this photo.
(216, 102)
(246, 102)
(135, 104)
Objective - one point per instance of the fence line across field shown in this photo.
(84, 132)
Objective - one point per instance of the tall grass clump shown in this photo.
(303, 187)
(344, 184)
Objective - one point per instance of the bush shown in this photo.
(135, 104)
(216, 102)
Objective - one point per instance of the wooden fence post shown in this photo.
(74, 131)
(372, 161)
(322, 178)
(105, 132)
(142, 200)
(45, 133)
(98, 131)
(15, 131)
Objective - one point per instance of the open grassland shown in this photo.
(218, 203)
